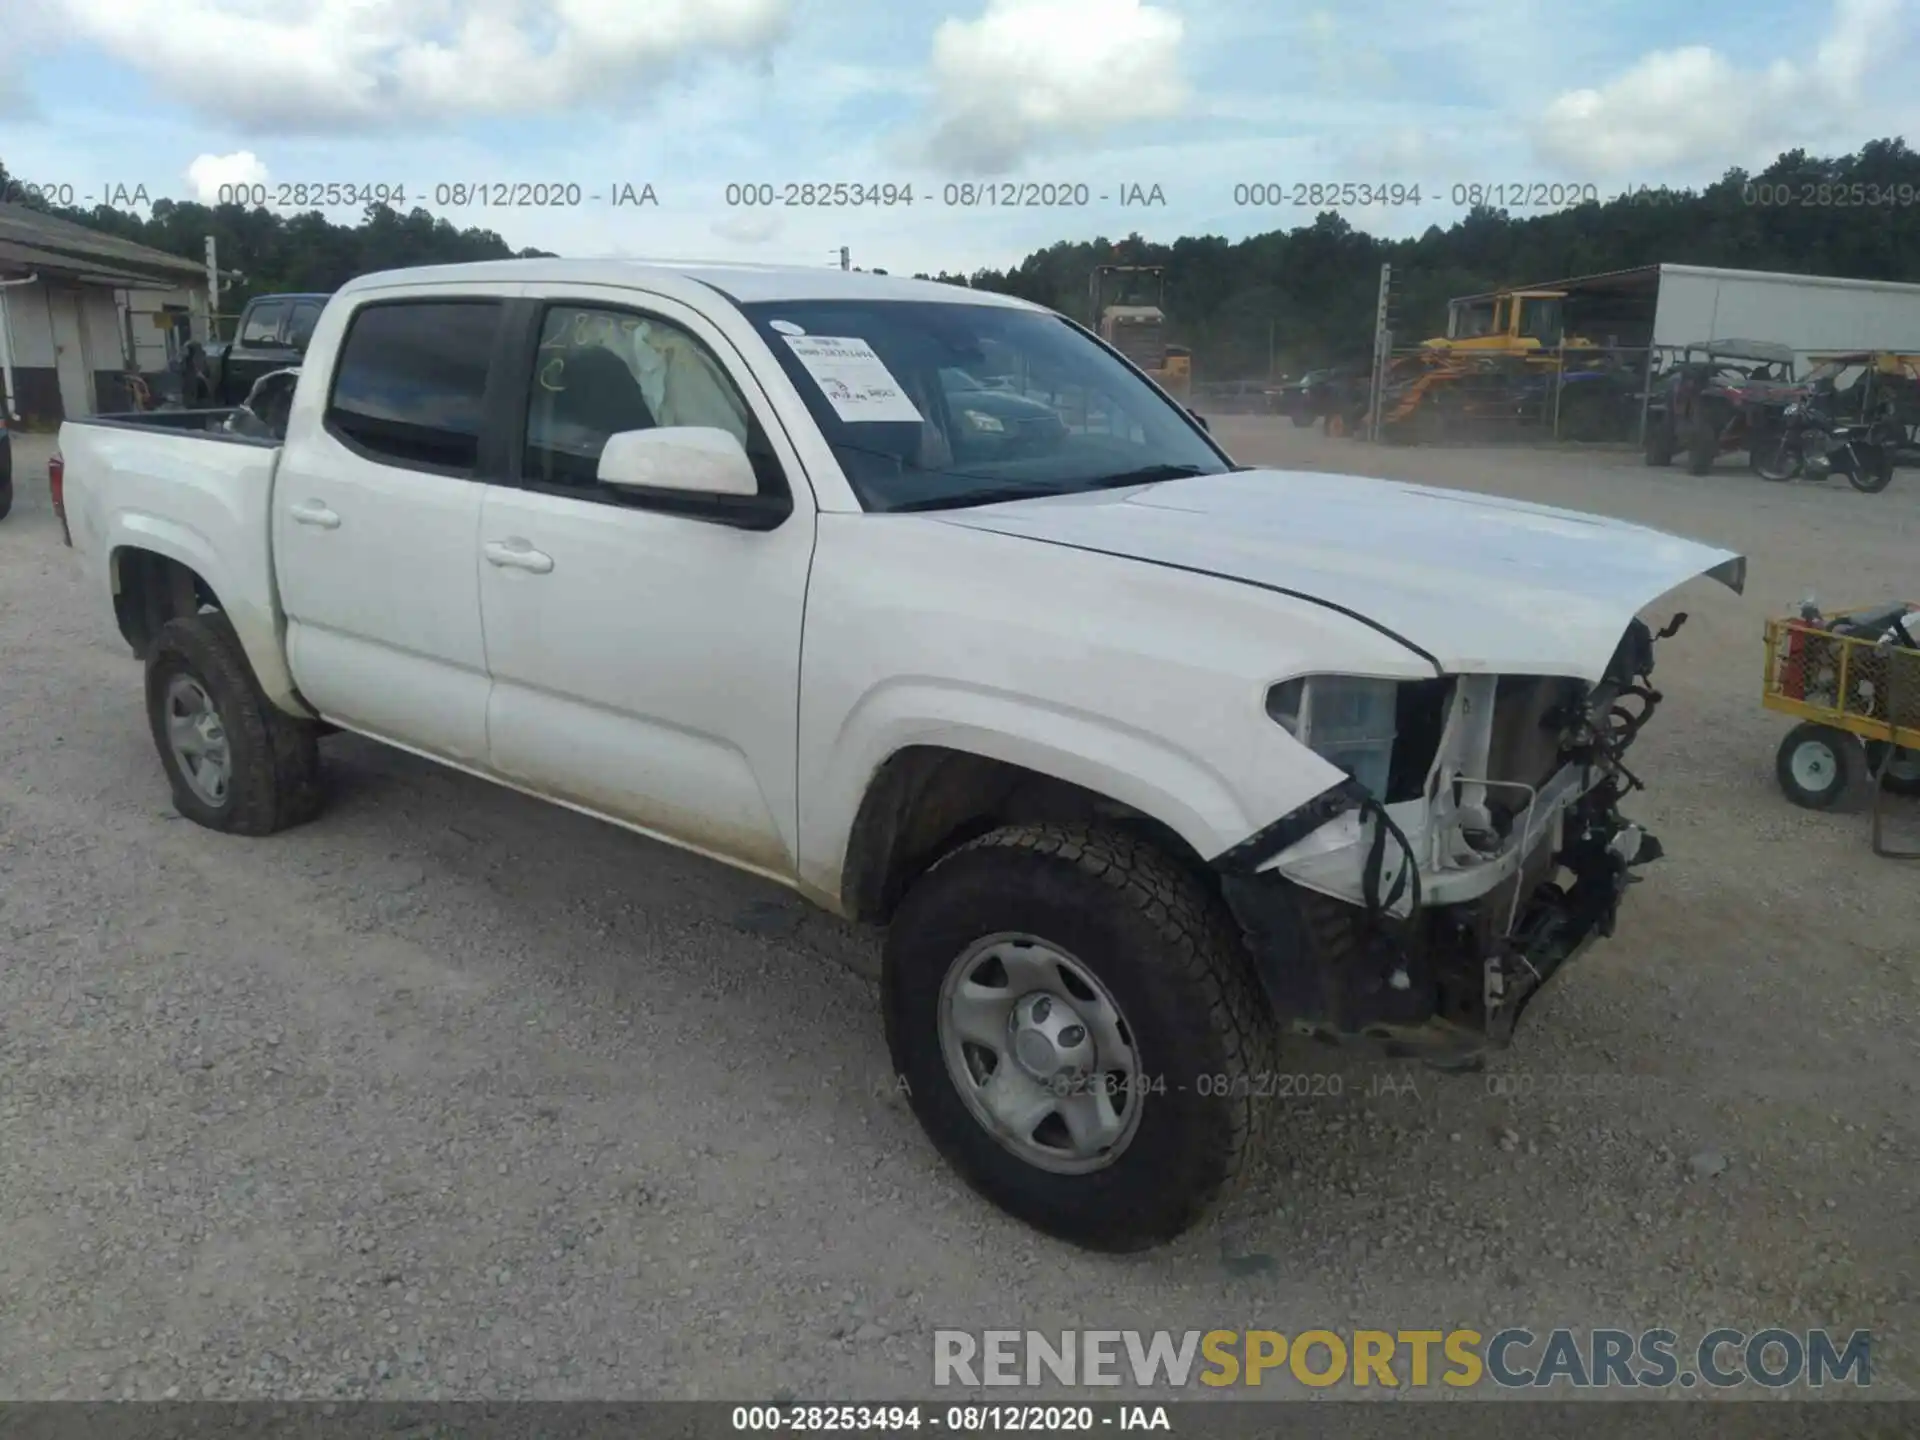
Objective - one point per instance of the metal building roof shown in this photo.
(31, 240)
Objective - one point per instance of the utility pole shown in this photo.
(213, 293)
(1382, 351)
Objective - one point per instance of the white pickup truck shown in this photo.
(926, 604)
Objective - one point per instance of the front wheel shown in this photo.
(1079, 1030)
(1816, 764)
(1873, 471)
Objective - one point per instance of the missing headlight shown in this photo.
(1384, 733)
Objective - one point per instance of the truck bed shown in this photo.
(199, 424)
(171, 483)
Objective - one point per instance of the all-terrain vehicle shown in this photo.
(1723, 397)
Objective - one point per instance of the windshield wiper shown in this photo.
(977, 497)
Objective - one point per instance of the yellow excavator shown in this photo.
(1138, 329)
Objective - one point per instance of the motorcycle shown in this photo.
(1808, 441)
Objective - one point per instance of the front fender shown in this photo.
(1149, 773)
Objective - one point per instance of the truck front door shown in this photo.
(377, 517)
(646, 664)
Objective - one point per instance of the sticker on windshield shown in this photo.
(855, 381)
(786, 327)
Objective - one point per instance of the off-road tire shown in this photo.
(6, 498)
(1175, 964)
(1302, 419)
(1703, 447)
(1838, 770)
(1661, 445)
(275, 780)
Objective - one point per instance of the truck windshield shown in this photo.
(929, 405)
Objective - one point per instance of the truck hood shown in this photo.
(1474, 583)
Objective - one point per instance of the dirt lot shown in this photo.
(452, 1093)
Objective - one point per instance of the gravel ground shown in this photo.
(455, 1094)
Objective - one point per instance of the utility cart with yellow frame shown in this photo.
(1852, 679)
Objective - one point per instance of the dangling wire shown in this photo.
(1408, 875)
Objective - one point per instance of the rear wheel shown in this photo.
(1775, 456)
(236, 763)
(1816, 764)
(1302, 419)
(1660, 443)
(6, 498)
(1078, 1026)
(1703, 446)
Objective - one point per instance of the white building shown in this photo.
(79, 309)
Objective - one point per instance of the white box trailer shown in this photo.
(1803, 312)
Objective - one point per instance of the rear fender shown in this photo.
(259, 629)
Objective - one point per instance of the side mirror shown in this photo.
(700, 460)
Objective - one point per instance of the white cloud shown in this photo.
(208, 173)
(1026, 71)
(1693, 105)
(341, 64)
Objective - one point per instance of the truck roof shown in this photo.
(741, 283)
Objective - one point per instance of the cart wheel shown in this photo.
(1903, 771)
(1816, 764)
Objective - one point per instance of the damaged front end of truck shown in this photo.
(1418, 906)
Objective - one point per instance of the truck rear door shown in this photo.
(377, 514)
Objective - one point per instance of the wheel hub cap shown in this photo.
(1813, 765)
(1048, 1039)
(198, 740)
(1040, 1054)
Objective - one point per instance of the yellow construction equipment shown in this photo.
(1510, 322)
(1139, 330)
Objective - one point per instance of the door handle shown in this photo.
(517, 555)
(312, 512)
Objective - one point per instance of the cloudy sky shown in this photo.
(689, 96)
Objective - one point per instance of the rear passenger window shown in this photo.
(411, 385)
(300, 328)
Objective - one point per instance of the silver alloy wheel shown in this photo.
(198, 740)
(1814, 765)
(1040, 1054)
(1904, 766)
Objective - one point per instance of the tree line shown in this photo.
(1287, 297)
(1311, 292)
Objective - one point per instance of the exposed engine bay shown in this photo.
(1422, 915)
